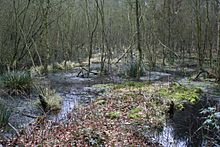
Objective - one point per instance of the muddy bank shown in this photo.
(75, 91)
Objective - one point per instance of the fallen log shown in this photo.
(82, 73)
(209, 74)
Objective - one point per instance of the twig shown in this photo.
(29, 115)
(81, 71)
(17, 132)
(169, 49)
(122, 56)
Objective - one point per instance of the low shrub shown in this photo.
(212, 124)
(50, 100)
(132, 70)
(17, 81)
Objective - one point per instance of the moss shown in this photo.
(136, 113)
(136, 110)
(135, 116)
(178, 93)
(100, 102)
(113, 115)
(131, 85)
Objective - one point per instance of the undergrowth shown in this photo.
(111, 120)
(131, 84)
(17, 81)
(56, 67)
(132, 70)
(5, 114)
(178, 93)
(114, 118)
(212, 124)
(51, 98)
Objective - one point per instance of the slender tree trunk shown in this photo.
(171, 57)
(218, 42)
(164, 32)
(138, 39)
(199, 34)
(91, 32)
(47, 57)
(131, 30)
(102, 15)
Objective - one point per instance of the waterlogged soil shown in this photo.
(184, 128)
(77, 91)
(74, 91)
(177, 131)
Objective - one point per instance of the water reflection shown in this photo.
(184, 128)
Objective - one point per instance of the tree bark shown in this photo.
(137, 4)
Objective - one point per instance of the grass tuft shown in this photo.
(52, 100)
(17, 81)
(5, 114)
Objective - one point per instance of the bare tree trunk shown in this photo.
(131, 30)
(47, 57)
(102, 15)
(137, 4)
(91, 32)
(218, 42)
(199, 34)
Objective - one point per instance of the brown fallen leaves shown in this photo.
(112, 120)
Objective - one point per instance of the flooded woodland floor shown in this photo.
(112, 111)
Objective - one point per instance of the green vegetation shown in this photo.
(51, 99)
(100, 102)
(212, 119)
(109, 38)
(136, 113)
(17, 81)
(5, 114)
(131, 84)
(104, 86)
(211, 123)
(132, 70)
(113, 115)
(178, 93)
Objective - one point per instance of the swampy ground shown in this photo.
(165, 108)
